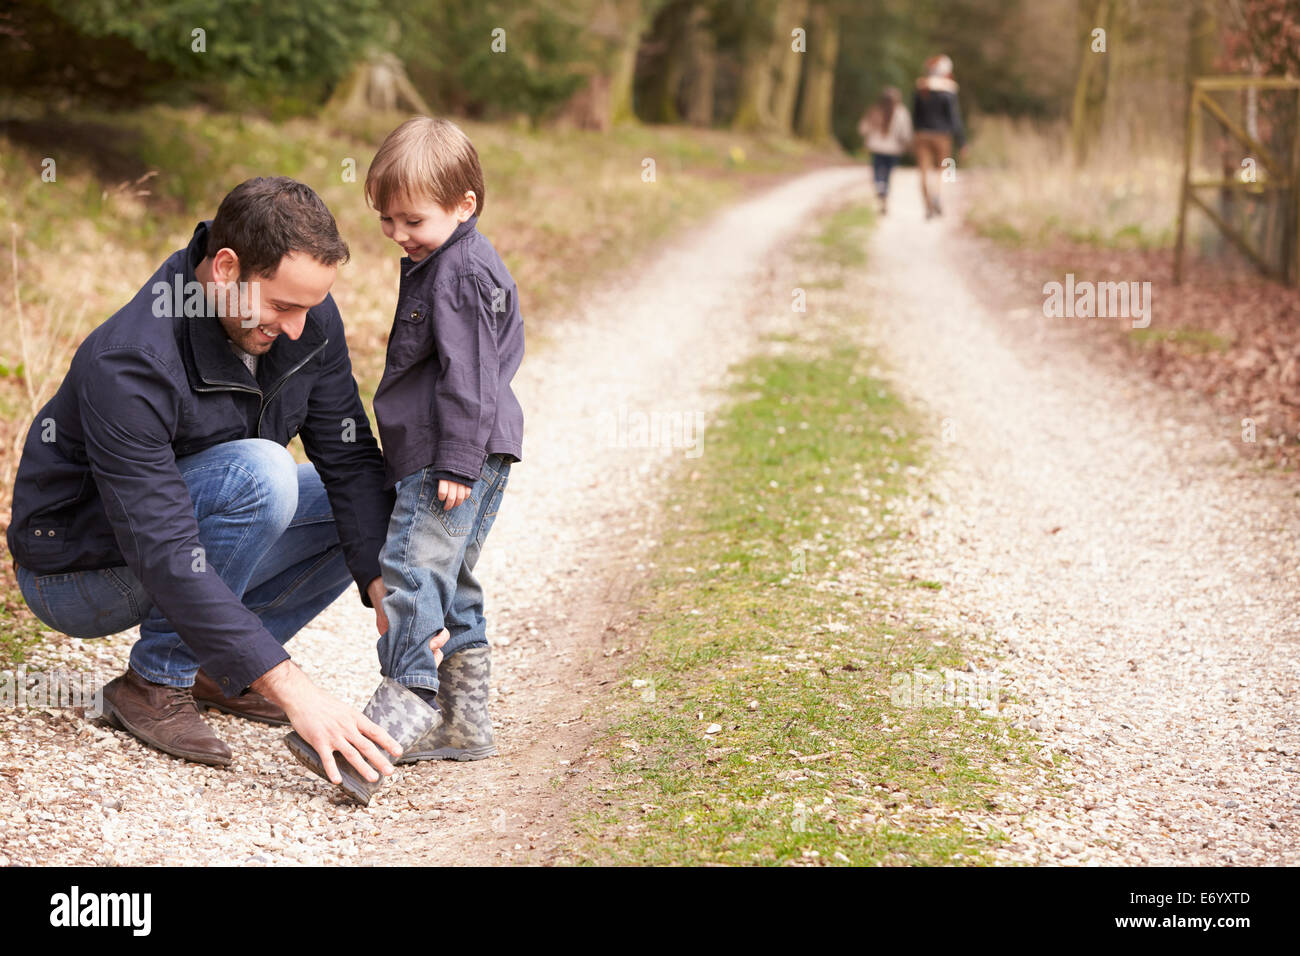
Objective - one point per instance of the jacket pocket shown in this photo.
(46, 535)
(411, 339)
(47, 530)
(457, 521)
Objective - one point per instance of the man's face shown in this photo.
(279, 304)
(420, 226)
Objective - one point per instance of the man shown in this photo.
(155, 486)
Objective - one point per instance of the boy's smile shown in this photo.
(421, 226)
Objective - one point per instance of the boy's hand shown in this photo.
(452, 493)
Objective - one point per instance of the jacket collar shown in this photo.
(943, 84)
(462, 230)
(209, 351)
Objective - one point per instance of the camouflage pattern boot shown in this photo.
(399, 711)
(466, 729)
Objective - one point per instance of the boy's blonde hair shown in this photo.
(425, 158)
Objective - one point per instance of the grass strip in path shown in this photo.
(761, 723)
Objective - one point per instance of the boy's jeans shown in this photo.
(266, 527)
(428, 563)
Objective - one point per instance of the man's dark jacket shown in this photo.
(145, 389)
(445, 399)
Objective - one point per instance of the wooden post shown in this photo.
(1295, 197)
(1187, 176)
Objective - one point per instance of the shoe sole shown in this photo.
(356, 787)
(451, 753)
(211, 705)
(114, 719)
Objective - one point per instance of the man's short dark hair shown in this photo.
(266, 218)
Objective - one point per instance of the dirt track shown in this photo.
(1137, 575)
(558, 570)
(1100, 534)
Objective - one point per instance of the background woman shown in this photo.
(937, 120)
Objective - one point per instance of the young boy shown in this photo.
(450, 428)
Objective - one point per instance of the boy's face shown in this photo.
(420, 226)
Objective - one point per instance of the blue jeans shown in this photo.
(882, 164)
(428, 563)
(266, 528)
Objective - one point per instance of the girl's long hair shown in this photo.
(881, 116)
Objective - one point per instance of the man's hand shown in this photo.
(328, 724)
(436, 642)
(451, 493)
(376, 591)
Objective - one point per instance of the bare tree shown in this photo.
(814, 120)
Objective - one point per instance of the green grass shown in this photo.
(840, 240)
(1199, 341)
(19, 630)
(999, 231)
(763, 625)
(1035, 227)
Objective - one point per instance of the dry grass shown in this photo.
(562, 207)
(1027, 189)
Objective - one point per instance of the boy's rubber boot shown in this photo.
(399, 711)
(465, 732)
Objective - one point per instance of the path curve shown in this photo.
(560, 567)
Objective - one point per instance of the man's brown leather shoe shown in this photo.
(163, 717)
(252, 705)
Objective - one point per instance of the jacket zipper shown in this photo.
(265, 398)
(275, 389)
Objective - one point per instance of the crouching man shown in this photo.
(155, 487)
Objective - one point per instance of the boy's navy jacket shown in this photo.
(457, 341)
(98, 484)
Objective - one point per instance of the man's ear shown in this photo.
(225, 266)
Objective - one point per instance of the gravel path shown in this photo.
(1098, 539)
(1135, 577)
(559, 570)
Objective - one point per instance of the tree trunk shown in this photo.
(377, 85)
(815, 105)
(754, 93)
(703, 59)
(661, 98)
(1090, 82)
(1217, 145)
(606, 98)
(787, 64)
(631, 19)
